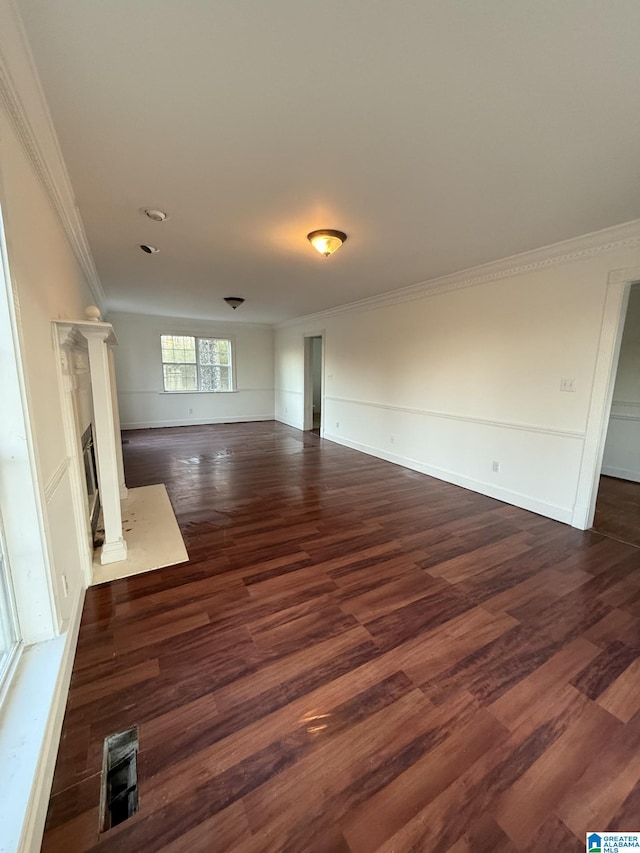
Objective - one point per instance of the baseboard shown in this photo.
(287, 422)
(621, 473)
(240, 419)
(36, 813)
(557, 513)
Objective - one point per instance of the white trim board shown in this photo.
(134, 392)
(623, 417)
(55, 479)
(564, 433)
(30, 734)
(611, 329)
(238, 419)
(621, 473)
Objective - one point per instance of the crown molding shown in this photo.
(625, 236)
(191, 324)
(22, 95)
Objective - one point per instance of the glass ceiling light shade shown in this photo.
(234, 301)
(326, 241)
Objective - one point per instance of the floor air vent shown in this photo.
(119, 795)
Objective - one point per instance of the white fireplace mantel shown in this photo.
(99, 338)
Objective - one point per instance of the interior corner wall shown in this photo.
(451, 383)
(47, 284)
(622, 448)
(141, 398)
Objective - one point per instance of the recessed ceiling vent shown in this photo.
(150, 250)
(156, 215)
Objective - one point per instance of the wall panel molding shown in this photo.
(155, 391)
(466, 418)
(621, 416)
(56, 478)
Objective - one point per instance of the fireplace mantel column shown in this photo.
(99, 336)
(116, 426)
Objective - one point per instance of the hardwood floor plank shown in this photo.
(101, 687)
(515, 705)
(222, 831)
(622, 697)
(356, 658)
(596, 797)
(430, 772)
(523, 809)
(487, 837)
(603, 670)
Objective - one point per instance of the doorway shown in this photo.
(314, 383)
(618, 501)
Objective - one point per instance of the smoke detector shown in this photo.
(156, 215)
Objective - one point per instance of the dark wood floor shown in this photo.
(357, 657)
(618, 509)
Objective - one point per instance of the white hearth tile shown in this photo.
(152, 535)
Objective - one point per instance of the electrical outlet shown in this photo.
(190, 411)
(495, 466)
(567, 384)
(392, 439)
(337, 424)
(286, 410)
(65, 586)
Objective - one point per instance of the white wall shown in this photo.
(450, 382)
(41, 279)
(141, 398)
(47, 284)
(622, 450)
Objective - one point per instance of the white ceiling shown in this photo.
(439, 134)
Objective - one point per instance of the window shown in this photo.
(196, 364)
(8, 635)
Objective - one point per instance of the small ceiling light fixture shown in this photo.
(150, 250)
(234, 301)
(326, 241)
(156, 215)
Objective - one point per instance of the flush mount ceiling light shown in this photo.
(150, 250)
(234, 301)
(156, 215)
(326, 241)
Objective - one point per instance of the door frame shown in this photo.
(308, 381)
(613, 319)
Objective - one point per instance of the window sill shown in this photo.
(24, 726)
(30, 724)
(232, 391)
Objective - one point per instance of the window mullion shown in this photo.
(198, 376)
